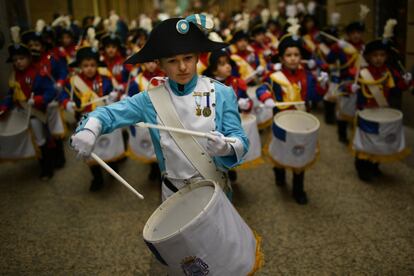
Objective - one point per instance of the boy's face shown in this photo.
(111, 50)
(260, 38)
(242, 44)
(180, 68)
(21, 62)
(223, 70)
(35, 45)
(66, 40)
(89, 67)
(355, 36)
(377, 58)
(291, 58)
(150, 66)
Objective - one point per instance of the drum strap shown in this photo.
(86, 93)
(199, 158)
(104, 71)
(375, 90)
(246, 70)
(287, 88)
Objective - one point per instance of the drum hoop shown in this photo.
(284, 113)
(172, 198)
(396, 111)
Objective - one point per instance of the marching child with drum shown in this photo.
(288, 91)
(30, 91)
(379, 134)
(90, 89)
(186, 101)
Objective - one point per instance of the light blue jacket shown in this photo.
(139, 108)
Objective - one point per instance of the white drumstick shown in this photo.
(96, 100)
(183, 131)
(285, 103)
(114, 174)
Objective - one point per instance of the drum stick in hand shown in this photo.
(183, 131)
(114, 174)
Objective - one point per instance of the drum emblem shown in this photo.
(390, 138)
(298, 150)
(104, 142)
(194, 266)
(145, 144)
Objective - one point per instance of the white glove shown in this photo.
(70, 107)
(251, 58)
(407, 77)
(342, 43)
(53, 104)
(355, 87)
(217, 146)
(269, 103)
(124, 96)
(58, 87)
(244, 103)
(31, 102)
(260, 70)
(84, 141)
(267, 52)
(113, 96)
(323, 78)
(119, 87)
(277, 66)
(311, 64)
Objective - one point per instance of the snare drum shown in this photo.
(140, 145)
(347, 106)
(109, 147)
(263, 114)
(379, 131)
(55, 120)
(197, 231)
(253, 156)
(16, 140)
(294, 141)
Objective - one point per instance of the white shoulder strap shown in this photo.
(279, 77)
(375, 89)
(195, 153)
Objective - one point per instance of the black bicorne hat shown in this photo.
(111, 39)
(239, 35)
(172, 37)
(87, 53)
(377, 44)
(290, 40)
(258, 29)
(213, 60)
(17, 49)
(355, 26)
(32, 35)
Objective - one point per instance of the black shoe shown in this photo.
(298, 192)
(344, 140)
(280, 177)
(376, 170)
(60, 159)
(364, 169)
(155, 173)
(232, 175)
(46, 163)
(97, 181)
(96, 185)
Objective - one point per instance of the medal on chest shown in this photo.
(207, 109)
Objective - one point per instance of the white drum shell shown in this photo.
(299, 146)
(141, 145)
(249, 125)
(110, 147)
(263, 114)
(384, 134)
(347, 106)
(199, 228)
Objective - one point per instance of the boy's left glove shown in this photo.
(217, 146)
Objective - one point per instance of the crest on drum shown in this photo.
(298, 150)
(391, 138)
(194, 266)
(145, 144)
(104, 142)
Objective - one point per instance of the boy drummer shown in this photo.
(187, 99)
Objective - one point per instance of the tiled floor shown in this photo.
(349, 227)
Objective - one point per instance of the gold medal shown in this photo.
(198, 111)
(206, 111)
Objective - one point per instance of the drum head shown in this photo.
(296, 121)
(14, 123)
(381, 115)
(248, 118)
(179, 210)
